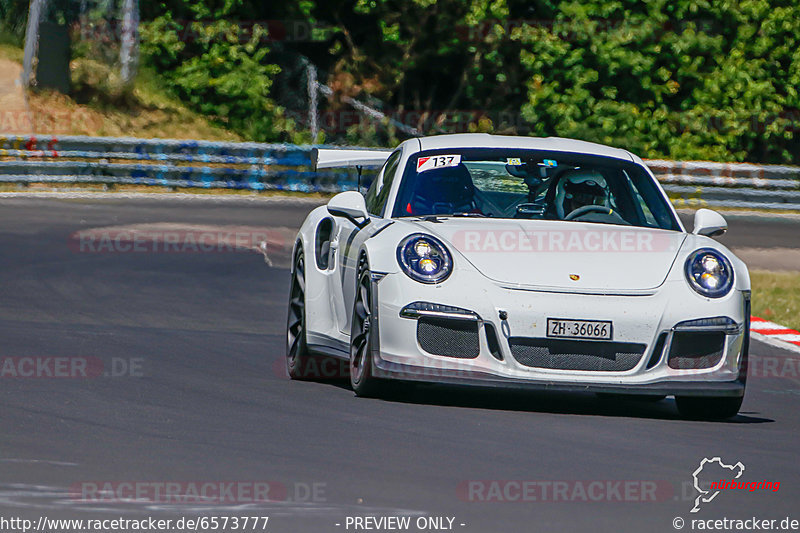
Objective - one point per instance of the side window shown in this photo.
(379, 191)
(650, 219)
(645, 215)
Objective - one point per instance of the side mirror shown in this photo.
(350, 205)
(709, 223)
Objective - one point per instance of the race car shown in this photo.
(521, 262)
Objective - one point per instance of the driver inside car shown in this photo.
(443, 191)
(584, 195)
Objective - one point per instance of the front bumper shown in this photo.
(386, 370)
(637, 318)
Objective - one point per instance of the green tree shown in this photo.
(217, 67)
(685, 80)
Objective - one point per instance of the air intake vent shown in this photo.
(448, 337)
(696, 350)
(576, 355)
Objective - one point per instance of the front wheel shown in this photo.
(361, 379)
(297, 354)
(708, 408)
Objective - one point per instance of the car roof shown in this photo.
(484, 140)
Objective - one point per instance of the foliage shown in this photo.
(684, 79)
(13, 17)
(217, 71)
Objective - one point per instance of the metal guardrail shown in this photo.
(26, 159)
(742, 185)
(173, 163)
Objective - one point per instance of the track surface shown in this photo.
(212, 404)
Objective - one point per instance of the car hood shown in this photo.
(571, 256)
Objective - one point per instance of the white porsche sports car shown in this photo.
(519, 262)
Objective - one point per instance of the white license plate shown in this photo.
(579, 329)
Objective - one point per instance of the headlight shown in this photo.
(424, 258)
(709, 273)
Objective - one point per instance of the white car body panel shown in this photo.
(561, 251)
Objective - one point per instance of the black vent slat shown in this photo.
(492, 342)
(658, 351)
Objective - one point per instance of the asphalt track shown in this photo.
(207, 400)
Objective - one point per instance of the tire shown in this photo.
(708, 408)
(297, 354)
(361, 377)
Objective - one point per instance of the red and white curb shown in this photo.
(775, 334)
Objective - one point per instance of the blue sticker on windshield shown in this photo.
(549, 163)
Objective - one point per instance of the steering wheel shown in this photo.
(590, 209)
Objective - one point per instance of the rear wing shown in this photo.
(331, 158)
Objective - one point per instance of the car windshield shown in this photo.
(531, 184)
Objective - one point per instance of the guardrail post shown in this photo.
(313, 87)
(31, 39)
(128, 51)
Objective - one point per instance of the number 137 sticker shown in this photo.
(437, 161)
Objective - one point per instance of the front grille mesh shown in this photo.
(448, 337)
(696, 350)
(600, 356)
